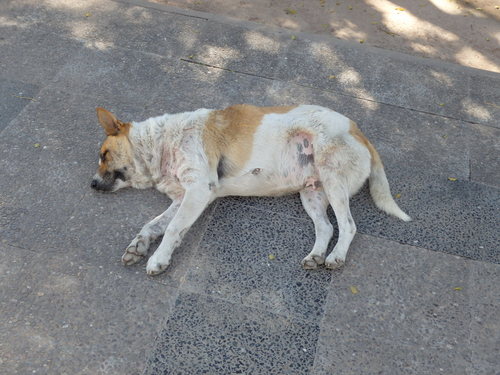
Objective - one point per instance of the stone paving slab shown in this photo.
(420, 306)
(218, 337)
(16, 95)
(71, 317)
(26, 57)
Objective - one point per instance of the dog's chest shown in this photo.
(181, 164)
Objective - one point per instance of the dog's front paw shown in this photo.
(156, 265)
(312, 262)
(137, 249)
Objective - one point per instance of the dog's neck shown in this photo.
(156, 141)
(148, 142)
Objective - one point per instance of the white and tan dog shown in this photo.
(196, 157)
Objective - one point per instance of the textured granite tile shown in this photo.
(233, 262)
(62, 315)
(482, 102)
(101, 25)
(15, 96)
(218, 337)
(141, 29)
(405, 295)
(455, 217)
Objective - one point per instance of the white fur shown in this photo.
(169, 155)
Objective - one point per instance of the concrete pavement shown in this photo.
(413, 298)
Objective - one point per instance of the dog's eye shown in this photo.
(102, 155)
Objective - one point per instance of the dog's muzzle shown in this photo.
(108, 181)
(103, 184)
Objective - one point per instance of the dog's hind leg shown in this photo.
(195, 200)
(337, 192)
(315, 203)
(151, 231)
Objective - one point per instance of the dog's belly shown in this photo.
(275, 169)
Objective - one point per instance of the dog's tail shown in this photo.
(379, 187)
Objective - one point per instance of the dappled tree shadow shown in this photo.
(456, 31)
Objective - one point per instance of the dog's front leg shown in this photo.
(150, 232)
(196, 199)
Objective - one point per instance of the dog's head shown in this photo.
(115, 157)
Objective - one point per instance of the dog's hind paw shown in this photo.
(155, 268)
(334, 263)
(312, 262)
(135, 251)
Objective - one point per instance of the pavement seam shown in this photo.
(152, 345)
(335, 92)
(295, 318)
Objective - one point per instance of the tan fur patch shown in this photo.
(360, 137)
(229, 133)
(117, 151)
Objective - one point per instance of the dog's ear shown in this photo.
(108, 121)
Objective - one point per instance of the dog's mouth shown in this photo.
(108, 182)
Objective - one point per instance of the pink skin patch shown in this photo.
(302, 147)
(305, 152)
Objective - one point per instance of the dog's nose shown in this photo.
(93, 184)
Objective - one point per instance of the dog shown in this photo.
(243, 150)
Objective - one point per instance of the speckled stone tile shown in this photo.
(117, 218)
(455, 217)
(61, 315)
(402, 294)
(206, 335)
(233, 262)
